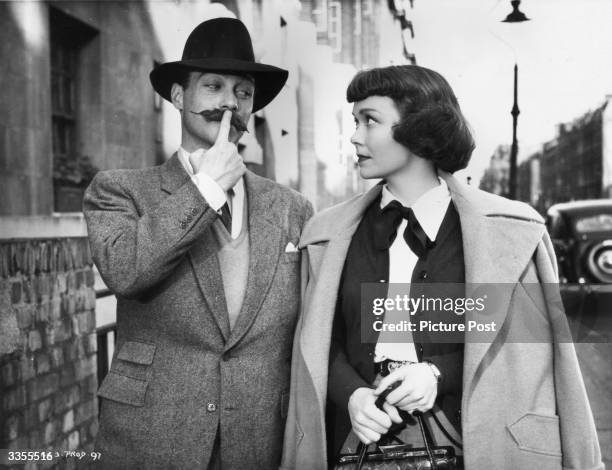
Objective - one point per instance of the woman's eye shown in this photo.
(370, 120)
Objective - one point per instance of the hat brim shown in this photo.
(269, 80)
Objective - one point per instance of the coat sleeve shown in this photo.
(343, 379)
(292, 432)
(579, 443)
(132, 250)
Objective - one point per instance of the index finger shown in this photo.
(224, 127)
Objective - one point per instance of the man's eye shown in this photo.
(244, 93)
(212, 86)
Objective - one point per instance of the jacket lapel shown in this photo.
(265, 236)
(205, 264)
(498, 243)
(202, 254)
(173, 175)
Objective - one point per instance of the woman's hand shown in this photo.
(417, 391)
(368, 422)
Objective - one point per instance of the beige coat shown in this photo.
(524, 404)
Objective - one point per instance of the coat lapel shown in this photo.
(498, 243)
(202, 254)
(315, 336)
(265, 236)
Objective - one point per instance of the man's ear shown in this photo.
(176, 94)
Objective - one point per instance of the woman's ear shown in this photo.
(176, 94)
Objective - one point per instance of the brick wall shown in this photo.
(47, 346)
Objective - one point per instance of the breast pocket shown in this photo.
(291, 257)
(128, 379)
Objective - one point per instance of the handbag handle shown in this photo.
(363, 448)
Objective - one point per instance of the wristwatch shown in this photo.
(434, 369)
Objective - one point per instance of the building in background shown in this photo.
(75, 98)
(529, 181)
(496, 176)
(576, 164)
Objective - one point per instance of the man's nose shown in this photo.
(229, 101)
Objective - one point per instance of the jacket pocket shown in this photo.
(137, 352)
(134, 360)
(123, 389)
(538, 433)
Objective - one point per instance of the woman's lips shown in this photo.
(362, 158)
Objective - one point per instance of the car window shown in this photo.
(594, 223)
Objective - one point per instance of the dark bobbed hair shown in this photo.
(431, 124)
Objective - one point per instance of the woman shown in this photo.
(507, 405)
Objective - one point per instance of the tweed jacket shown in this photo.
(524, 405)
(179, 375)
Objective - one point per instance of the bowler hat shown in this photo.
(221, 45)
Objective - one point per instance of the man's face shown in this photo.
(210, 92)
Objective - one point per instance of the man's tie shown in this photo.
(226, 217)
(224, 213)
(386, 229)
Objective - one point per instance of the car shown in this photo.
(581, 232)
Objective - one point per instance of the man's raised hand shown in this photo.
(221, 162)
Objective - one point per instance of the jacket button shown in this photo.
(423, 274)
(189, 218)
(194, 211)
(211, 407)
(183, 225)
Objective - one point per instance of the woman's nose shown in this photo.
(356, 137)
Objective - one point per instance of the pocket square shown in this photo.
(291, 248)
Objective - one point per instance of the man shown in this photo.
(202, 257)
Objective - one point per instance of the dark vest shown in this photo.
(443, 263)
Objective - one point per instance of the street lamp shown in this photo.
(516, 16)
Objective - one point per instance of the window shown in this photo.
(72, 171)
(319, 12)
(335, 26)
(63, 82)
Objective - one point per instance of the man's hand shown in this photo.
(368, 422)
(221, 162)
(417, 391)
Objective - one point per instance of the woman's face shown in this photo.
(379, 155)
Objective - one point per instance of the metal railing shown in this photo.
(106, 336)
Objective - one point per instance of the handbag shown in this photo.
(400, 456)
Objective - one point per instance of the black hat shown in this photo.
(222, 45)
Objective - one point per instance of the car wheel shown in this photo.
(599, 261)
